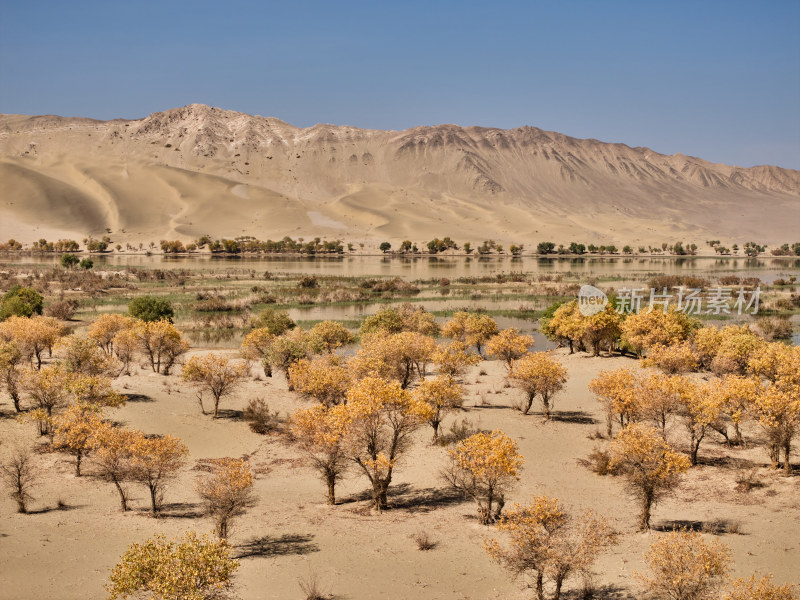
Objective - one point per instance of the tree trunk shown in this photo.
(546, 405)
(571, 347)
(609, 423)
(540, 585)
(647, 505)
(330, 479)
(559, 583)
(21, 506)
(78, 457)
(380, 488)
(787, 466)
(529, 404)
(153, 497)
(435, 425)
(737, 440)
(222, 528)
(123, 499)
(216, 406)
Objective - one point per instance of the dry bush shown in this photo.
(260, 418)
(312, 588)
(747, 479)
(18, 475)
(599, 461)
(63, 310)
(424, 541)
(227, 492)
(459, 430)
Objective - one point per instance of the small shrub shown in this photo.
(308, 282)
(259, 416)
(747, 479)
(459, 430)
(599, 461)
(312, 588)
(62, 310)
(424, 541)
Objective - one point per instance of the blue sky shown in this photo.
(720, 80)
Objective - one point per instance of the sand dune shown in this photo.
(194, 170)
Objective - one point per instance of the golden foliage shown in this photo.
(227, 491)
(192, 568)
(641, 331)
(548, 543)
(105, 328)
(760, 589)
(10, 360)
(33, 335)
(650, 465)
(397, 356)
(324, 379)
(616, 390)
(154, 461)
(112, 455)
(474, 329)
(83, 355)
(677, 358)
(683, 566)
(320, 431)
(441, 395)
(406, 317)
(484, 466)
(538, 374)
(381, 417)
(330, 335)
(161, 342)
(74, 430)
(508, 345)
(215, 374)
(453, 359)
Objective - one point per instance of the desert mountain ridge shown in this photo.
(189, 171)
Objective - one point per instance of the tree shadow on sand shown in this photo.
(573, 416)
(404, 496)
(713, 526)
(138, 398)
(179, 510)
(229, 413)
(600, 592)
(60, 507)
(283, 545)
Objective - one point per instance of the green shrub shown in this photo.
(151, 308)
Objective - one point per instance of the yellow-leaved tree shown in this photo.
(191, 568)
(256, 345)
(474, 329)
(112, 455)
(33, 335)
(548, 544)
(323, 378)
(441, 394)
(162, 343)
(616, 390)
(381, 416)
(10, 371)
(74, 430)
(331, 335)
(320, 432)
(538, 374)
(453, 359)
(154, 462)
(650, 465)
(508, 346)
(567, 325)
(484, 467)
(215, 374)
(684, 566)
(227, 491)
(400, 357)
(105, 328)
(761, 588)
(644, 330)
(671, 360)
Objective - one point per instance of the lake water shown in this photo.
(428, 267)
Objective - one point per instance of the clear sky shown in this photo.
(716, 79)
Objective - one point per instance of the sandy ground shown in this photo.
(199, 170)
(67, 553)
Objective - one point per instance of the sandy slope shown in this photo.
(66, 554)
(194, 170)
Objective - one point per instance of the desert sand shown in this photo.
(359, 554)
(199, 170)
